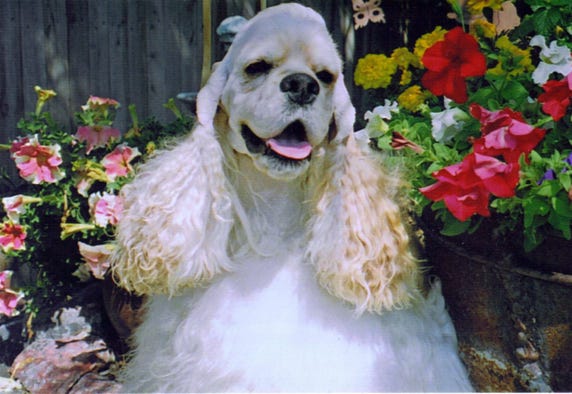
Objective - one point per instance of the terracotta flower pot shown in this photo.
(514, 322)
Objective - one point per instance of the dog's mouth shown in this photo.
(291, 144)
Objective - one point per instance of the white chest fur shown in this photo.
(270, 327)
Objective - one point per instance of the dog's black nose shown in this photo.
(301, 88)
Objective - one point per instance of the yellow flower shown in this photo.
(428, 40)
(71, 228)
(374, 71)
(403, 58)
(483, 28)
(512, 60)
(44, 94)
(405, 79)
(476, 7)
(412, 98)
(150, 148)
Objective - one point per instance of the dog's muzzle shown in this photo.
(290, 145)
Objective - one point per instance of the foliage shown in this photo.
(481, 123)
(60, 221)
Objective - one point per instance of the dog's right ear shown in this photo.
(209, 96)
(177, 211)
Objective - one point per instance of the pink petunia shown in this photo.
(15, 206)
(8, 298)
(96, 258)
(37, 163)
(505, 133)
(12, 236)
(117, 163)
(96, 136)
(105, 208)
(97, 103)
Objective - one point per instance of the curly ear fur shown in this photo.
(177, 212)
(370, 264)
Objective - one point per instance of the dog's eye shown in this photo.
(325, 76)
(258, 67)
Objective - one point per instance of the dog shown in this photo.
(269, 242)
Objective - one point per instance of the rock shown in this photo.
(63, 356)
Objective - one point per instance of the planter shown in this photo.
(514, 323)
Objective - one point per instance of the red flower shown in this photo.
(505, 133)
(556, 97)
(466, 187)
(449, 62)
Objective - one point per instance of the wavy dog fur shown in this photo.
(223, 238)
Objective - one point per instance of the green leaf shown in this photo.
(514, 90)
(565, 179)
(453, 227)
(548, 189)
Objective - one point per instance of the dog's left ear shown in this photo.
(358, 242)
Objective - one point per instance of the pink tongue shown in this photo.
(291, 150)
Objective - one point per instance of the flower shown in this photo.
(513, 61)
(427, 40)
(9, 299)
(448, 123)
(505, 133)
(492, 135)
(96, 258)
(465, 187)
(105, 208)
(37, 163)
(403, 58)
(384, 111)
(99, 104)
(476, 6)
(482, 27)
(374, 71)
(12, 236)
(15, 206)
(556, 97)
(96, 136)
(117, 162)
(44, 95)
(555, 59)
(450, 62)
(412, 98)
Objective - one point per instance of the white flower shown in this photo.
(446, 124)
(383, 111)
(553, 59)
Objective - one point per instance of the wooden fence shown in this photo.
(144, 52)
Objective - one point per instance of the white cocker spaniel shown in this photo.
(268, 241)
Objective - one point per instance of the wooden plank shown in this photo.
(56, 54)
(136, 77)
(156, 58)
(77, 19)
(33, 54)
(11, 97)
(98, 48)
(119, 60)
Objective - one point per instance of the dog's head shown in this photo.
(277, 98)
(278, 88)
